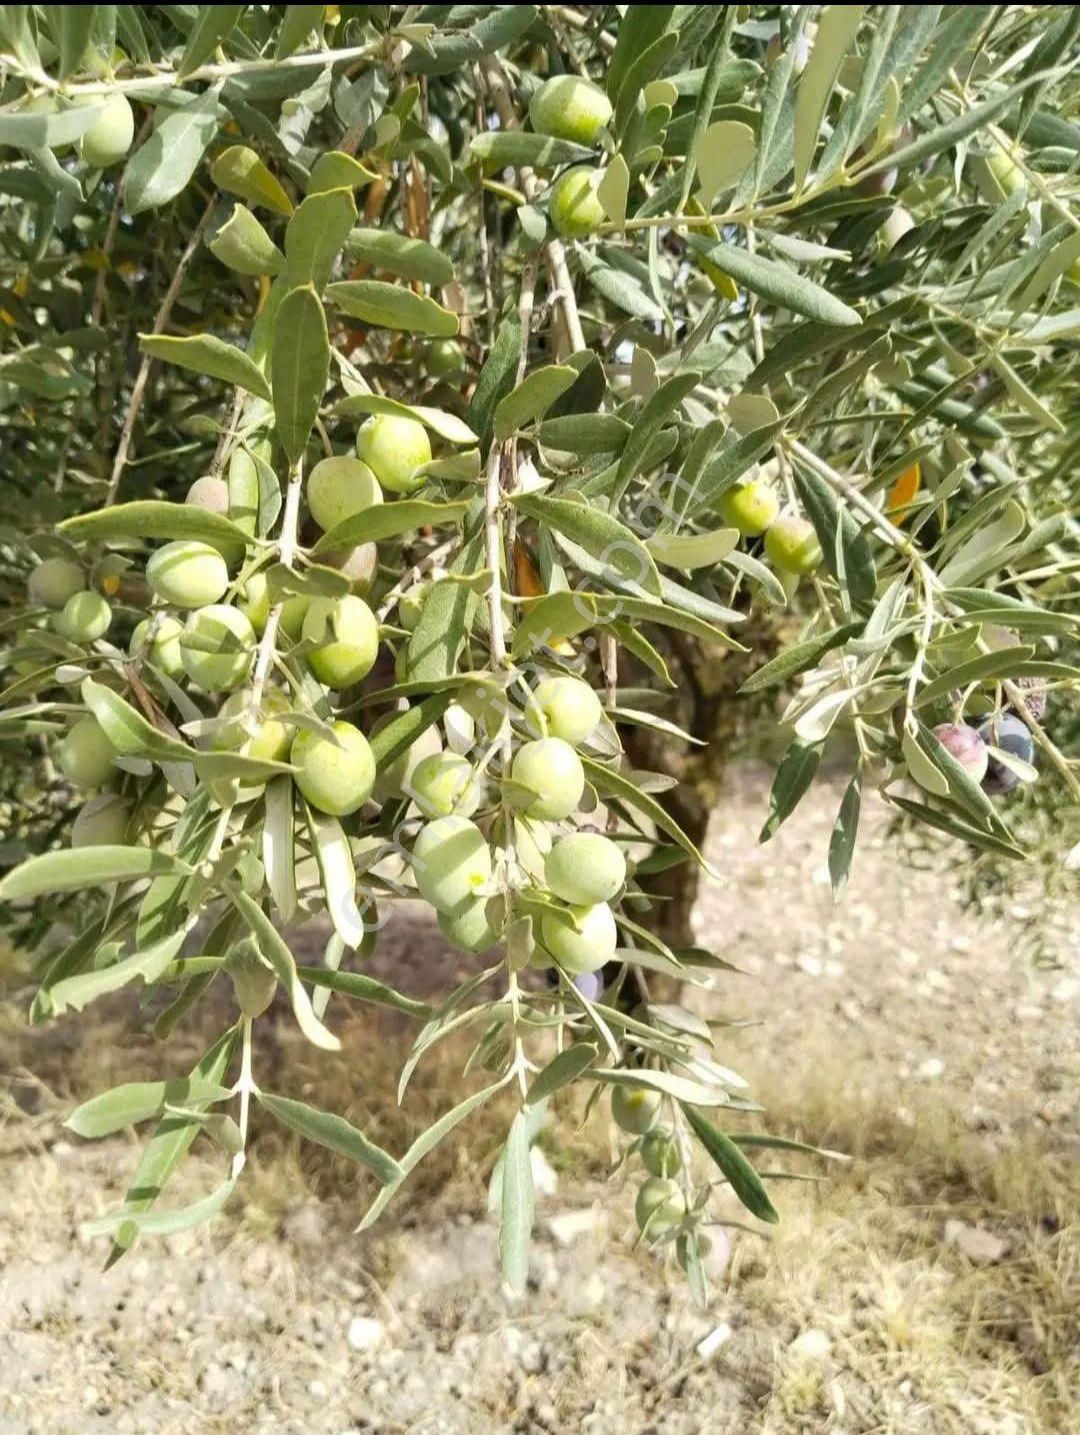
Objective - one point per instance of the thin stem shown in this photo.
(290, 521)
(419, 568)
(493, 555)
(138, 389)
(163, 79)
(244, 1087)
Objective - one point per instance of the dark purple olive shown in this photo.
(589, 985)
(1012, 736)
(966, 746)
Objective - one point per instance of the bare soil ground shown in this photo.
(931, 1285)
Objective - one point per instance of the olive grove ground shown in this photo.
(936, 1287)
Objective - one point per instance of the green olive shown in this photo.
(109, 137)
(217, 648)
(570, 107)
(340, 488)
(749, 507)
(188, 574)
(53, 582)
(84, 618)
(791, 545)
(347, 636)
(163, 649)
(394, 446)
(85, 756)
(336, 777)
(574, 208)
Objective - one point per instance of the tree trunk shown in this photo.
(708, 709)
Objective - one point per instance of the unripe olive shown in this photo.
(411, 605)
(899, 222)
(253, 601)
(348, 638)
(337, 779)
(966, 746)
(570, 107)
(265, 737)
(1006, 171)
(102, 822)
(209, 493)
(109, 138)
(84, 618)
(791, 545)
(635, 1108)
(585, 867)
(393, 779)
(444, 359)
(749, 507)
(293, 612)
(85, 756)
(551, 771)
(660, 1153)
(359, 565)
(713, 1254)
(394, 446)
(187, 573)
(659, 1208)
(451, 863)
(162, 651)
(339, 488)
(486, 703)
(217, 648)
(53, 582)
(584, 946)
(253, 979)
(574, 208)
(469, 929)
(563, 707)
(444, 783)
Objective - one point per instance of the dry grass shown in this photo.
(913, 1337)
(920, 1338)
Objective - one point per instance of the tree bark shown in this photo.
(709, 709)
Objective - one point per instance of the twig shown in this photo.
(139, 387)
(97, 304)
(290, 521)
(162, 79)
(429, 560)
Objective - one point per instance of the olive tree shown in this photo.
(426, 429)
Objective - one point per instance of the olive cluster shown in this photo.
(790, 542)
(661, 1209)
(994, 751)
(567, 878)
(205, 625)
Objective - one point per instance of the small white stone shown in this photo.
(813, 1343)
(930, 1069)
(365, 1332)
(318, 1390)
(544, 1177)
(981, 1247)
(718, 1336)
(809, 964)
(1065, 989)
(569, 1226)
